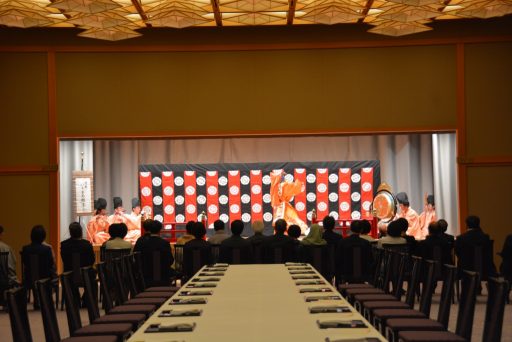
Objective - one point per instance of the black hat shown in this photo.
(430, 199)
(100, 204)
(118, 202)
(135, 202)
(402, 198)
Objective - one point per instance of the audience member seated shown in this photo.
(344, 256)
(366, 228)
(258, 237)
(425, 248)
(314, 237)
(196, 244)
(443, 226)
(117, 233)
(40, 253)
(188, 235)
(329, 234)
(146, 228)
(506, 256)
(404, 226)
(466, 243)
(76, 244)
(147, 247)
(11, 262)
(294, 232)
(394, 235)
(278, 240)
(220, 233)
(236, 242)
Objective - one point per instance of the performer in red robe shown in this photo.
(97, 228)
(134, 221)
(281, 192)
(427, 216)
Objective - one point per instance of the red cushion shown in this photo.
(122, 330)
(146, 310)
(397, 313)
(134, 319)
(401, 324)
(91, 339)
(146, 301)
(382, 304)
(429, 336)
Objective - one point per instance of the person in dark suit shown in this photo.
(404, 225)
(506, 256)
(42, 254)
(154, 243)
(344, 262)
(294, 232)
(329, 235)
(75, 244)
(236, 241)
(146, 227)
(465, 246)
(425, 248)
(443, 226)
(198, 243)
(278, 241)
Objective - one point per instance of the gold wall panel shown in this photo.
(489, 99)
(404, 88)
(489, 190)
(25, 203)
(23, 109)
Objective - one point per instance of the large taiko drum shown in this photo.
(384, 205)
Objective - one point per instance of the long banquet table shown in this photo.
(257, 303)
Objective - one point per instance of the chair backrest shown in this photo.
(318, 257)
(392, 267)
(398, 286)
(215, 252)
(498, 293)
(257, 256)
(4, 268)
(178, 258)
(69, 293)
(90, 293)
(378, 257)
(137, 271)
(50, 323)
(235, 256)
(470, 281)
(17, 306)
(437, 257)
(119, 285)
(157, 266)
(128, 262)
(428, 287)
(443, 315)
(107, 301)
(414, 280)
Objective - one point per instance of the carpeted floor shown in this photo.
(36, 323)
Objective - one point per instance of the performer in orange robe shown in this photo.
(134, 221)
(428, 215)
(97, 228)
(410, 215)
(281, 192)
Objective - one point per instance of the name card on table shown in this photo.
(179, 327)
(196, 293)
(329, 309)
(350, 324)
(317, 298)
(188, 301)
(180, 313)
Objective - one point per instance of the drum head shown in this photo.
(384, 205)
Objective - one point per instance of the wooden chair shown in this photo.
(496, 299)
(31, 272)
(4, 276)
(17, 307)
(93, 311)
(121, 330)
(137, 266)
(465, 317)
(318, 257)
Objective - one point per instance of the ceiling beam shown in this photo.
(292, 4)
(140, 10)
(216, 12)
(365, 11)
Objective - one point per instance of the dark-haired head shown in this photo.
(146, 225)
(114, 230)
(328, 223)
(473, 222)
(403, 224)
(394, 229)
(280, 226)
(434, 229)
(237, 227)
(38, 234)
(366, 227)
(355, 227)
(199, 231)
(123, 230)
(294, 231)
(218, 225)
(156, 227)
(75, 230)
(190, 226)
(443, 225)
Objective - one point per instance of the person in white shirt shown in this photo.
(220, 233)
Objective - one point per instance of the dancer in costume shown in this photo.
(134, 222)
(97, 228)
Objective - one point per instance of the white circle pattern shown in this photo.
(310, 178)
(189, 173)
(355, 178)
(246, 217)
(322, 170)
(178, 181)
(224, 217)
(234, 208)
(147, 209)
(356, 196)
(212, 209)
(288, 178)
(245, 198)
(333, 178)
(223, 199)
(157, 200)
(169, 209)
(334, 215)
(256, 207)
(266, 180)
(366, 205)
(179, 200)
(146, 191)
(356, 215)
(191, 208)
(234, 190)
(200, 181)
(367, 186)
(201, 199)
(322, 206)
(212, 190)
(245, 180)
(333, 197)
(223, 181)
(311, 197)
(167, 173)
(157, 181)
(300, 206)
(159, 218)
(321, 187)
(233, 172)
(145, 174)
(344, 206)
(180, 218)
(256, 189)
(267, 198)
(267, 217)
(190, 190)
(168, 191)
(344, 187)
